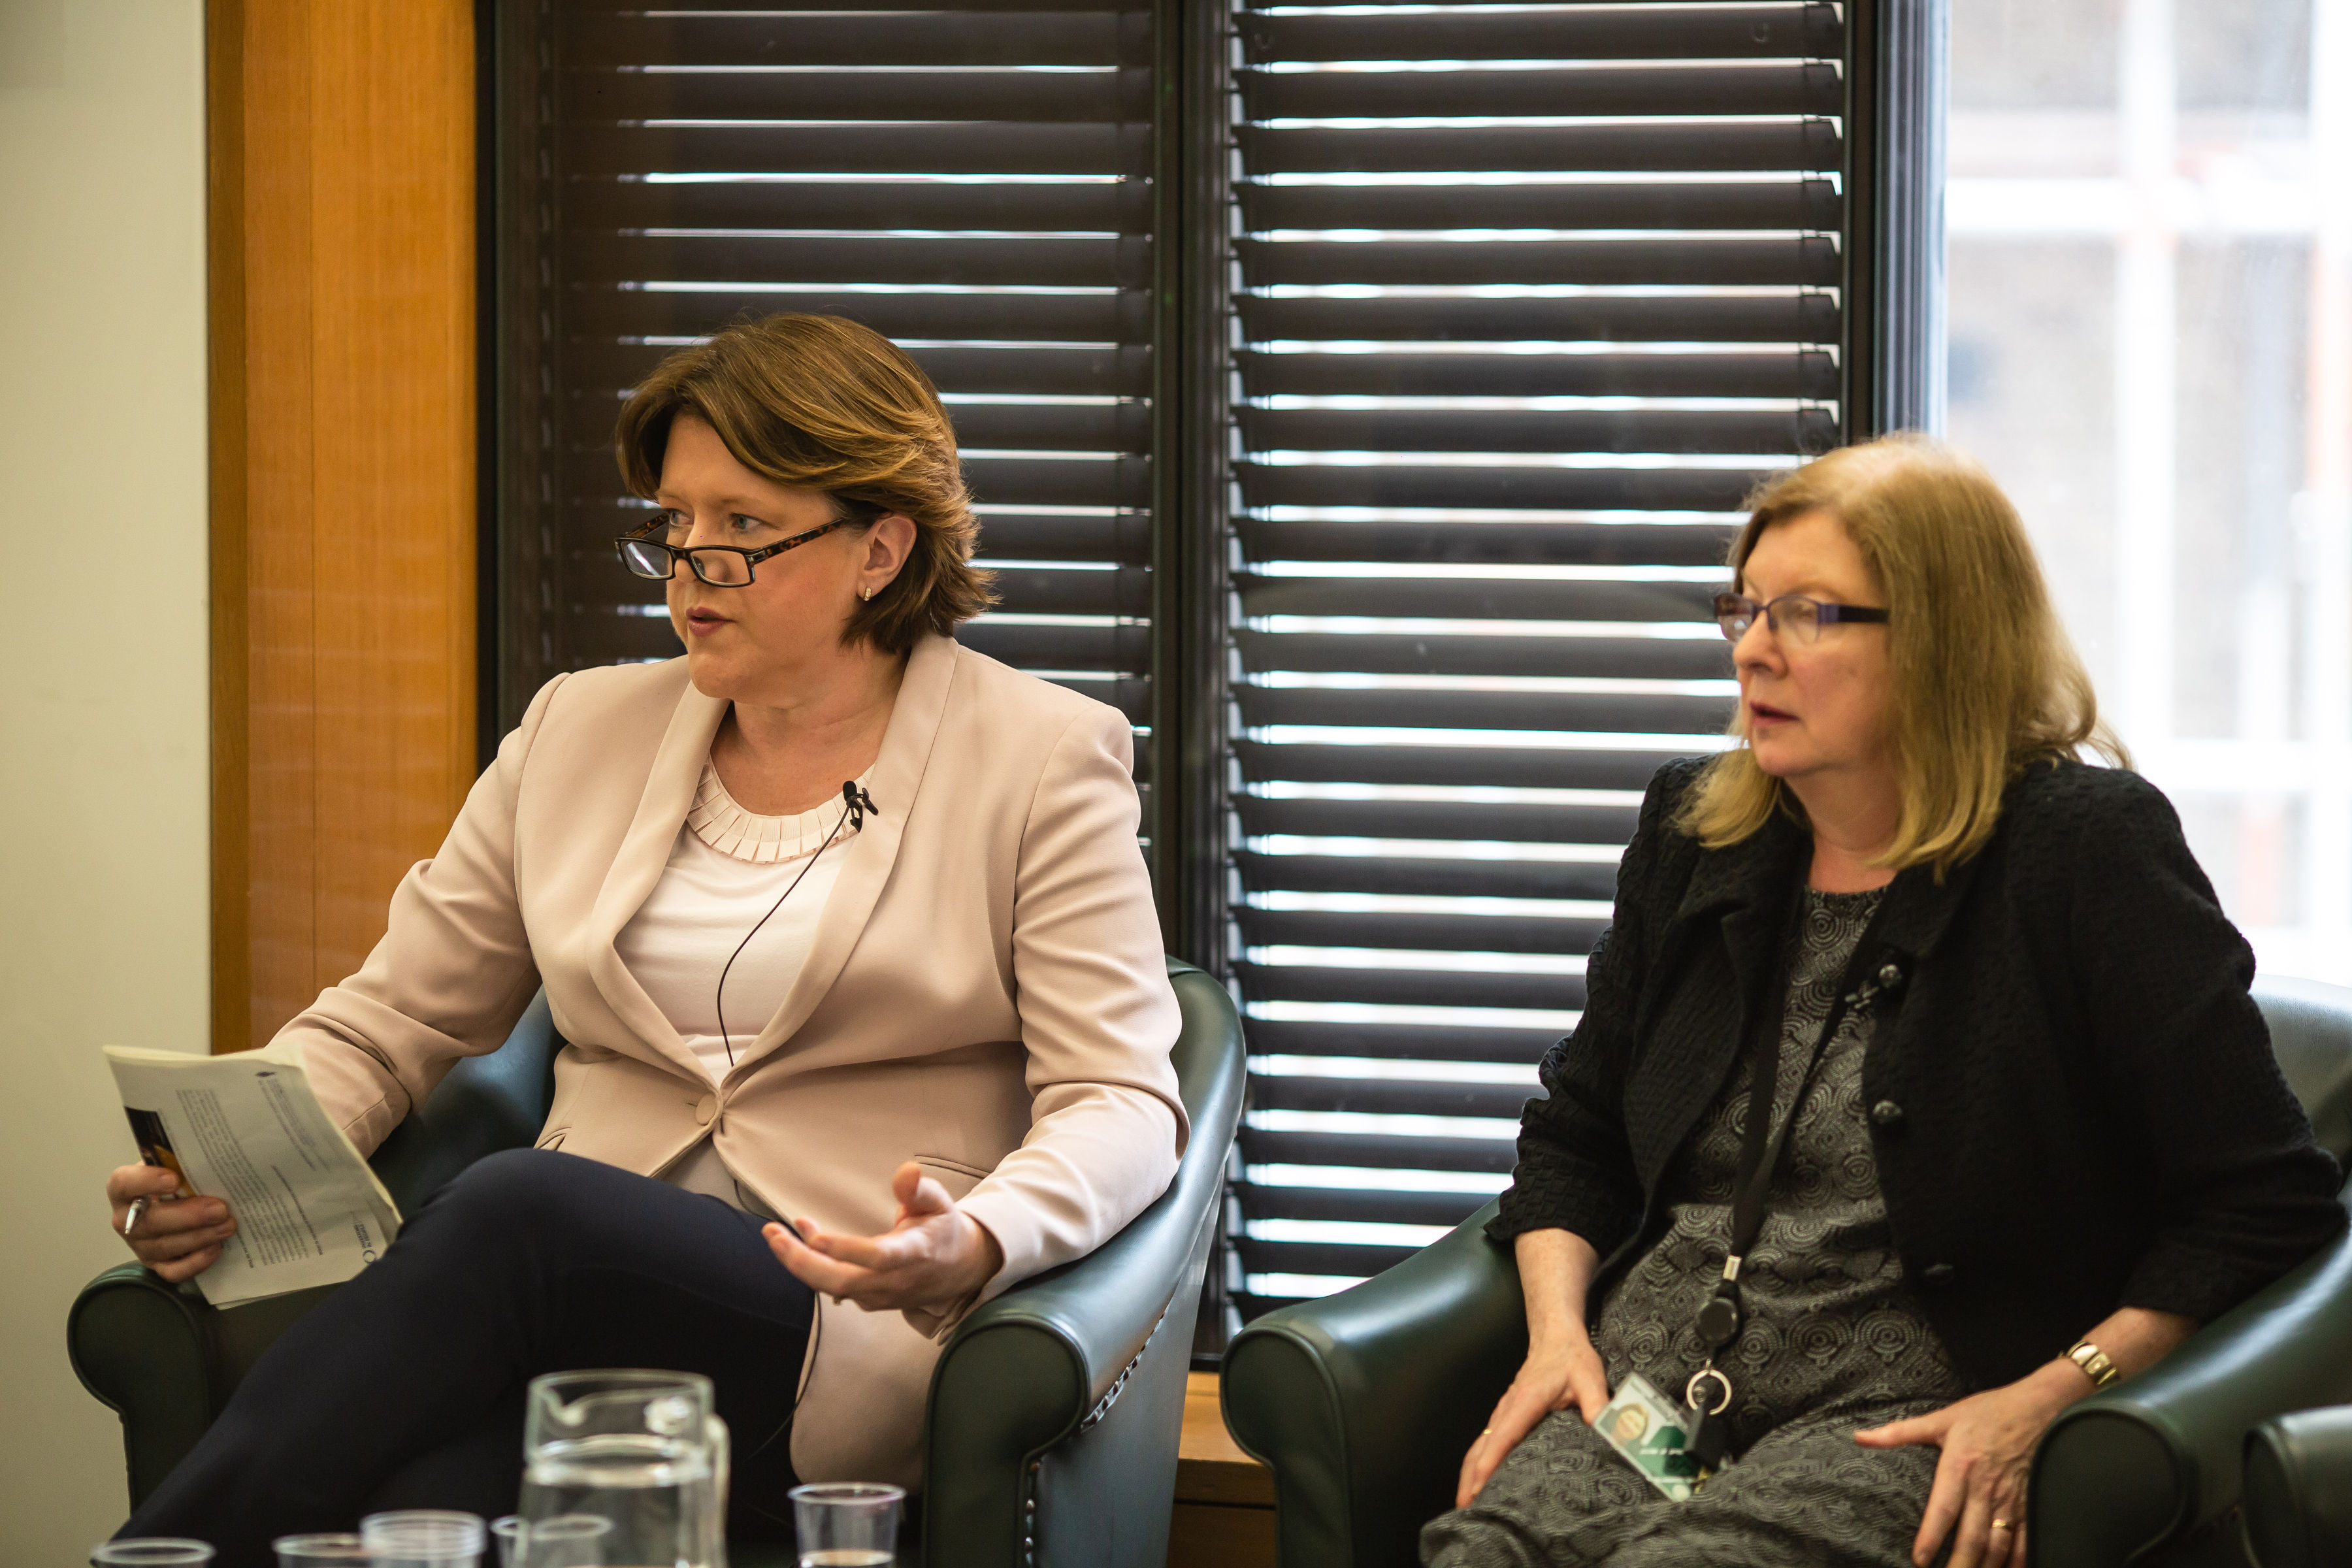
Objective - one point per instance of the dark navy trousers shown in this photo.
(405, 1389)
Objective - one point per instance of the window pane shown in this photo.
(2150, 213)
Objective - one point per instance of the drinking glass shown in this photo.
(320, 1551)
(151, 1551)
(423, 1538)
(640, 1449)
(566, 1541)
(847, 1525)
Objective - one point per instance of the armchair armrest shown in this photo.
(1364, 1403)
(166, 1361)
(1021, 1394)
(2299, 1489)
(2125, 1472)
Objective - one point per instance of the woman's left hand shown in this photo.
(1988, 1439)
(934, 1256)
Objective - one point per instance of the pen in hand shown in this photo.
(138, 1206)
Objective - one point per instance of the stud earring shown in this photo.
(864, 593)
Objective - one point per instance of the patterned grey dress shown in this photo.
(1833, 1340)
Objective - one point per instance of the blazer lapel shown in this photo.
(1693, 1023)
(898, 776)
(638, 864)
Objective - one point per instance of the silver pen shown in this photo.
(138, 1206)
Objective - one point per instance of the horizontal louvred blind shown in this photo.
(971, 180)
(1530, 296)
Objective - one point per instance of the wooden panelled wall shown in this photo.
(343, 505)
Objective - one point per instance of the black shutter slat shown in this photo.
(1062, 205)
(633, 308)
(1481, 541)
(1435, 819)
(1710, 149)
(1515, 767)
(1471, 709)
(1415, 933)
(978, 261)
(1449, 488)
(1270, 1038)
(1083, 481)
(947, 148)
(1427, 876)
(1638, 658)
(1283, 1257)
(1457, 318)
(960, 35)
(1099, 535)
(1497, 417)
(1748, 88)
(1400, 985)
(1493, 430)
(1033, 590)
(1726, 263)
(1113, 372)
(1772, 376)
(1486, 1155)
(1058, 646)
(1403, 1097)
(752, 93)
(1565, 32)
(1501, 597)
(1448, 1209)
(1794, 204)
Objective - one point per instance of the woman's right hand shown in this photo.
(179, 1239)
(1551, 1379)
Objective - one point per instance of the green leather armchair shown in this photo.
(1363, 1403)
(1055, 1410)
(2299, 1489)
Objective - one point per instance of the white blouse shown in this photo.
(728, 870)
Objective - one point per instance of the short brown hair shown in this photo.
(823, 403)
(1986, 680)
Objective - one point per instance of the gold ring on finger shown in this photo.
(2001, 1524)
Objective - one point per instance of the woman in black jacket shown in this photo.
(2025, 1132)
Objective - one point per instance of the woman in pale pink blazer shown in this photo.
(845, 925)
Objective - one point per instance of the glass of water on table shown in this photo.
(847, 1525)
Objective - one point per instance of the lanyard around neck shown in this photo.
(1761, 1141)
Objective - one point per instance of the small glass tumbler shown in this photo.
(151, 1551)
(424, 1538)
(323, 1551)
(565, 1540)
(847, 1525)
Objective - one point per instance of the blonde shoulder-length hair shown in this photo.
(1985, 681)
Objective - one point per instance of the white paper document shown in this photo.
(248, 1129)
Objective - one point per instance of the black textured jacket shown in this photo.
(2073, 1100)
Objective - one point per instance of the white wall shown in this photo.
(103, 773)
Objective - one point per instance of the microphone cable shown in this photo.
(855, 803)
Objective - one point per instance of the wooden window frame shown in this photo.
(343, 250)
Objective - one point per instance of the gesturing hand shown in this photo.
(1549, 1380)
(933, 1255)
(1987, 1446)
(178, 1240)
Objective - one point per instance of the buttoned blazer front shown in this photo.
(986, 994)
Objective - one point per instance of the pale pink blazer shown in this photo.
(986, 995)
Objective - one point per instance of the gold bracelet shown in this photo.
(2094, 1364)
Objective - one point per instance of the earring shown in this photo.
(864, 593)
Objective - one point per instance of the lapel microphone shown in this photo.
(854, 805)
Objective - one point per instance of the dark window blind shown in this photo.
(1529, 296)
(972, 179)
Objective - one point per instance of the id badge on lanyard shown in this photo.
(1705, 1418)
